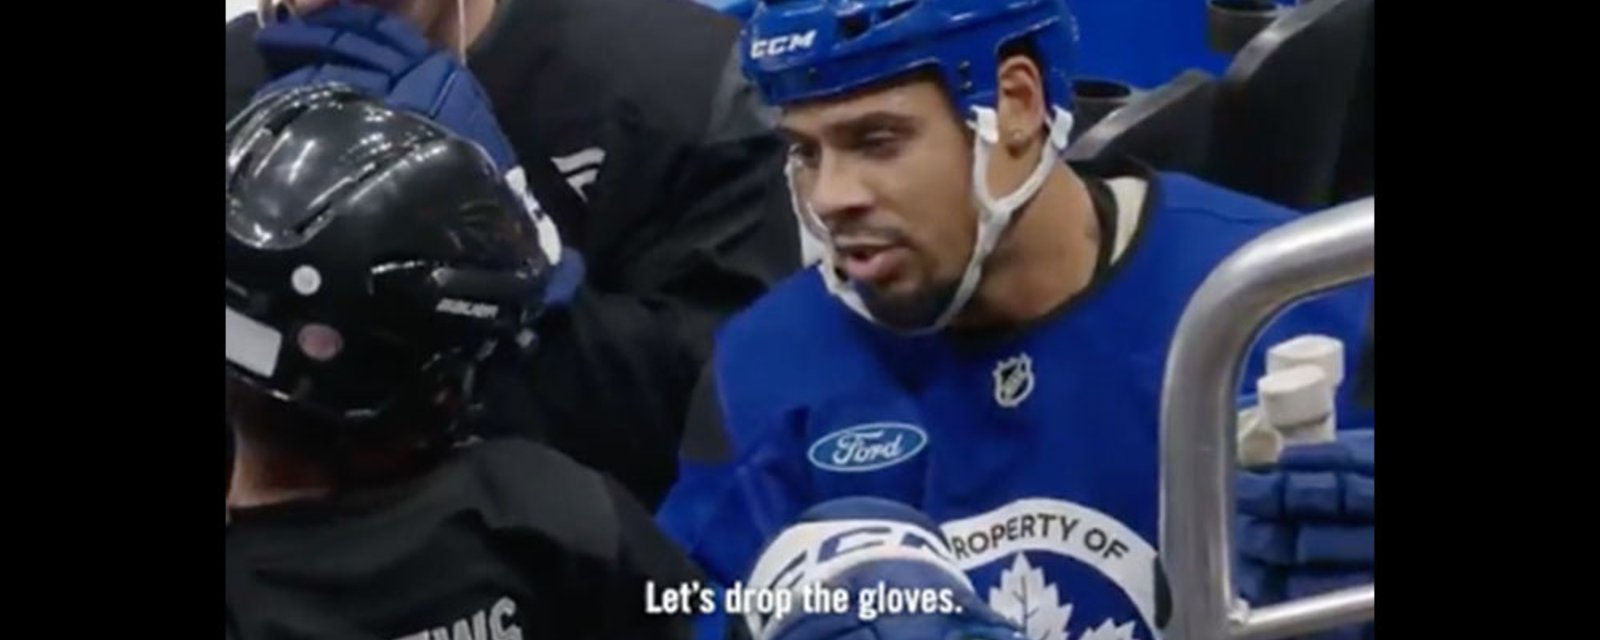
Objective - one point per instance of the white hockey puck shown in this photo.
(1316, 350)
(1298, 403)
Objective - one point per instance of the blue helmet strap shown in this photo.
(994, 215)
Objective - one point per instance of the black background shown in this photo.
(110, 349)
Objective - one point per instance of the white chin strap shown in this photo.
(994, 215)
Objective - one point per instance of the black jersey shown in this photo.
(505, 539)
(658, 162)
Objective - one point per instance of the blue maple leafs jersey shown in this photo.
(1036, 450)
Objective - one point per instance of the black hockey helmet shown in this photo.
(374, 261)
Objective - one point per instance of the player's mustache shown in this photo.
(848, 233)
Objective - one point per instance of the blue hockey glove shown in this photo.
(1306, 525)
(385, 56)
(870, 548)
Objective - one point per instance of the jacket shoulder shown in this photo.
(662, 63)
(551, 496)
(1194, 225)
(537, 490)
(1195, 197)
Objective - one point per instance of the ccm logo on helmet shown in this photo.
(782, 44)
(468, 309)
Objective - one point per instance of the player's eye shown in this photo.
(880, 144)
(805, 153)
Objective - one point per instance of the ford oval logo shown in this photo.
(868, 447)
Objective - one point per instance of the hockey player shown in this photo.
(376, 265)
(646, 147)
(985, 339)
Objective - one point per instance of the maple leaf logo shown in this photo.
(1028, 600)
(1109, 631)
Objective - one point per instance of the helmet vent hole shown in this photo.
(851, 27)
(243, 157)
(282, 120)
(314, 222)
(323, 206)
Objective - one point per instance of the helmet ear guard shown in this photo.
(496, 304)
(521, 292)
(515, 288)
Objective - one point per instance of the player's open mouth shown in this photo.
(870, 263)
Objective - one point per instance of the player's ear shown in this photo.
(1020, 93)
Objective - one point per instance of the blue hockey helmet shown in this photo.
(797, 50)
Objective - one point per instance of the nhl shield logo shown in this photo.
(1013, 380)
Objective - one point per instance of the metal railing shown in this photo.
(1199, 415)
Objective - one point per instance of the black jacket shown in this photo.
(505, 535)
(681, 210)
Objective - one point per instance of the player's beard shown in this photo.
(910, 312)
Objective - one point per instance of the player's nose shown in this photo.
(838, 192)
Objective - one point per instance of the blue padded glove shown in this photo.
(385, 56)
(871, 545)
(1306, 525)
